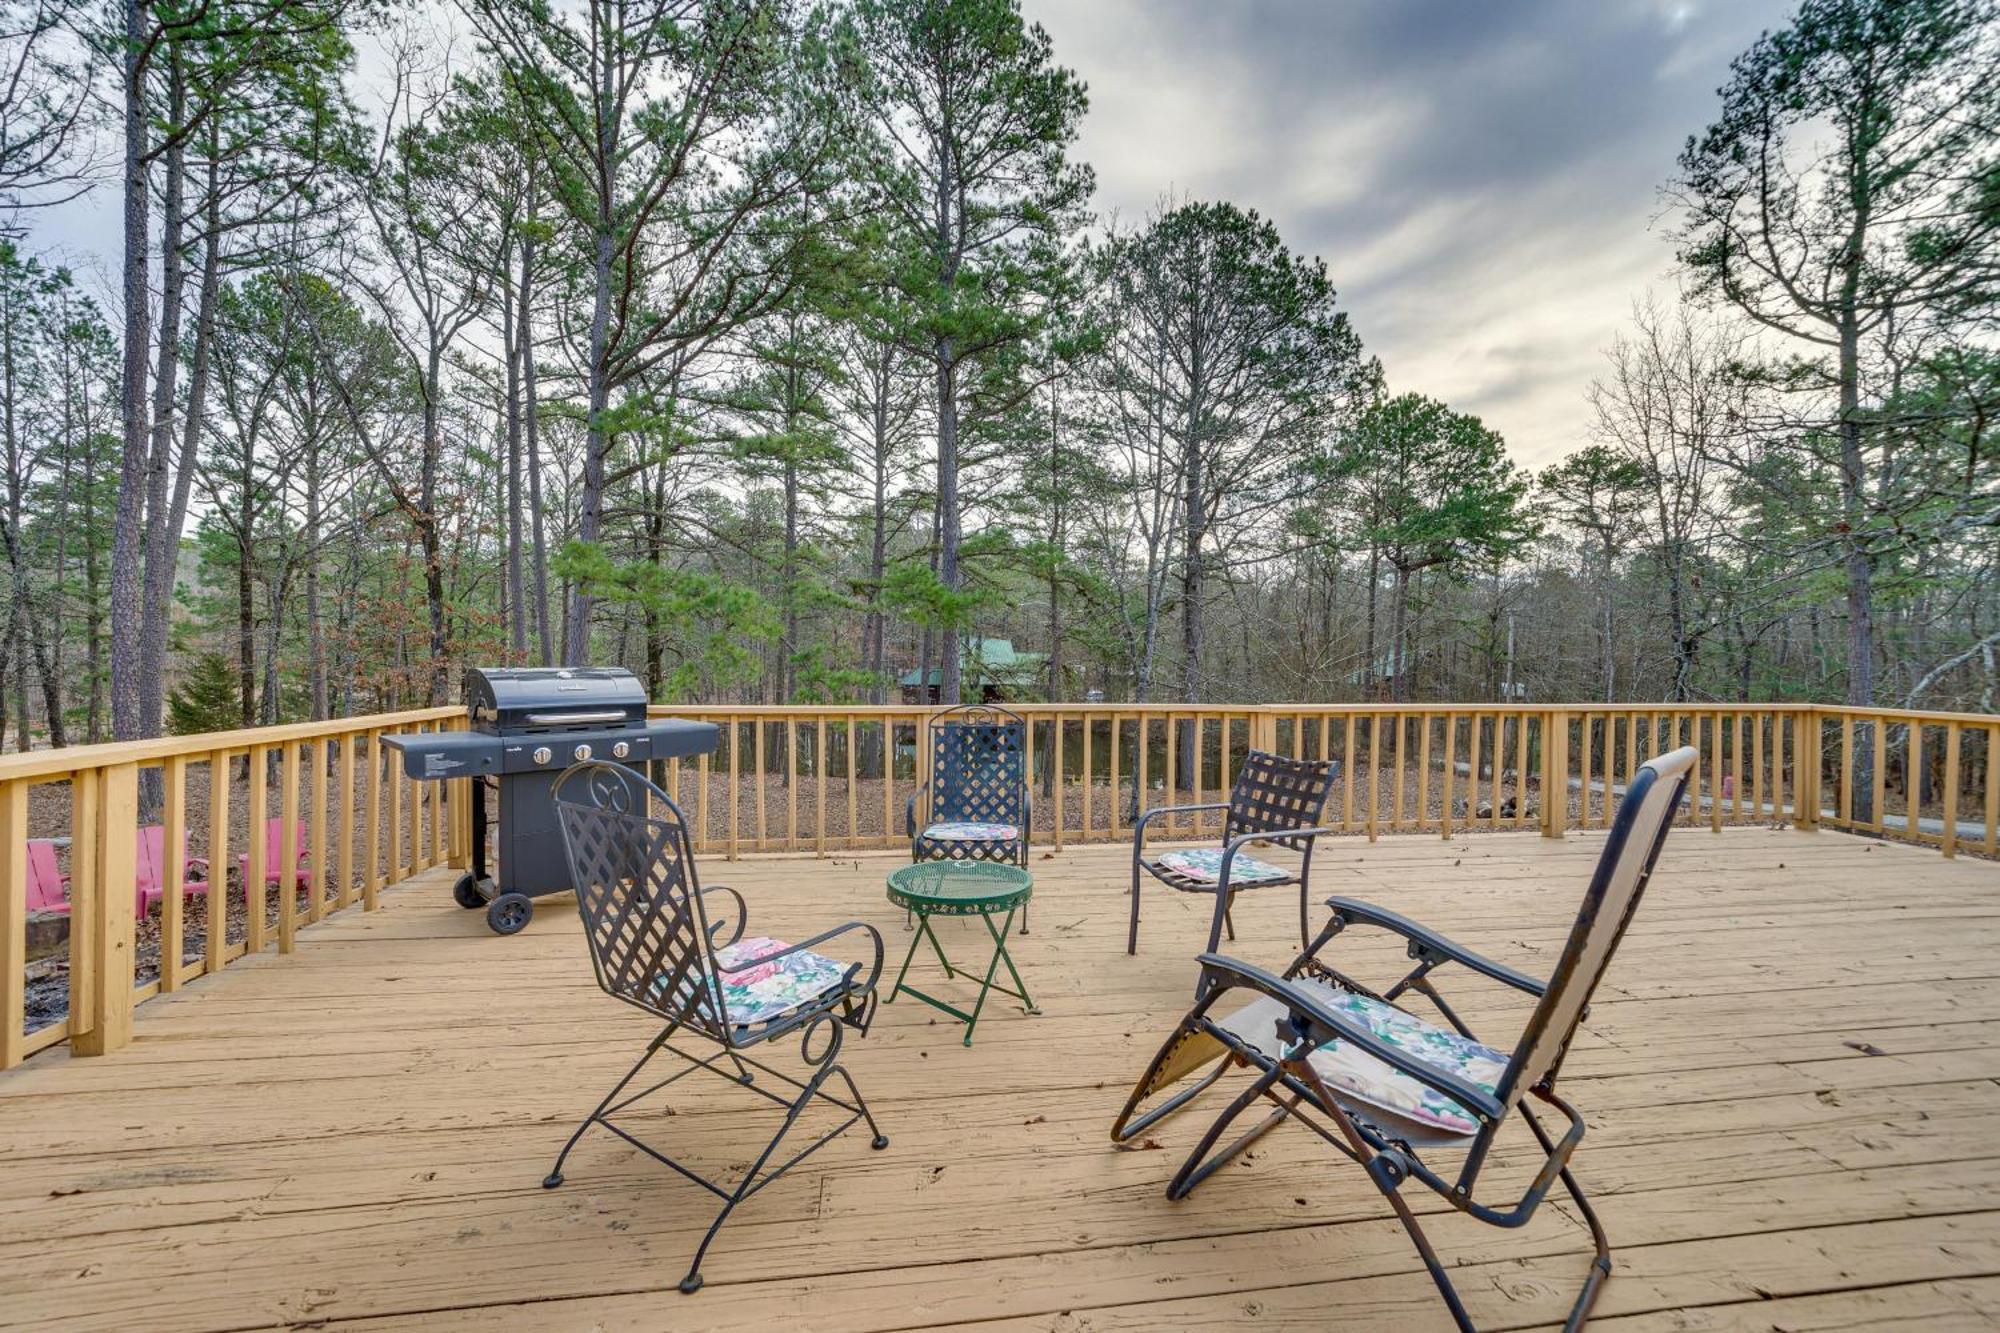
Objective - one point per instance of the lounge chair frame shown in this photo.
(1391, 1156)
(1275, 799)
(654, 932)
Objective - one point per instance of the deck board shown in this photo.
(1790, 1077)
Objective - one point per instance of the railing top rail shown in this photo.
(1908, 714)
(56, 764)
(1131, 707)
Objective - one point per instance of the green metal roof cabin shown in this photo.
(994, 673)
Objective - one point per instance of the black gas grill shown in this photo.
(528, 725)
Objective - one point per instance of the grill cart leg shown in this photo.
(476, 888)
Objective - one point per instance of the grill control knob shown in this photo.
(581, 753)
(543, 754)
(620, 750)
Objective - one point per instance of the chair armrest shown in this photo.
(1424, 939)
(874, 936)
(1321, 1025)
(1235, 844)
(910, 818)
(742, 914)
(1139, 826)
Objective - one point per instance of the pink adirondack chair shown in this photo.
(48, 887)
(273, 858)
(150, 867)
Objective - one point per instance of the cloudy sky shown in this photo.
(1481, 176)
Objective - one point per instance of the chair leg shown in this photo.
(692, 1282)
(1199, 1166)
(1389, 1182)
(555, 1175)
(1600, 1264)
(1132, 935)
(1228, 921)
(1389, 1172)
(751, 1183)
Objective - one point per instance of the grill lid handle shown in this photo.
(558, 719)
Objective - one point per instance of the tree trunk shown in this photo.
(158, 576)
(1191, 585)
(1369, 647)
(1607, 662)
(950, 675)
(530, 424)
(1857, 562)
(875, 626)
(315, 642)
(431, 538)
(516, 596)
(129, 520)
(789, 648)
(1399, 648)
(590, 508)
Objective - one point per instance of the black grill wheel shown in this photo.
(466, 892)
(510, 913)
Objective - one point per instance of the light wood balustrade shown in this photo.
(326, 779)
(832, 779)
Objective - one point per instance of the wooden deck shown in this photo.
(1791, 1083)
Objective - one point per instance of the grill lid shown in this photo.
(523, 699)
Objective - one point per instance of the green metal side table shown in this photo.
(985, 889)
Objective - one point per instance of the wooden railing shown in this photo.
(1908, 776)
(828, 779)
(337, 790)
(824, 780)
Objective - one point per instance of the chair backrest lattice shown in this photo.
(979, 769)
(1274, 793)
(1638, 831)
(638, 895)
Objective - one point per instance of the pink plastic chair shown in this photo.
(151, 868)
(273, 858)
(48, 887)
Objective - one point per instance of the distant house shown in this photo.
(993, 673)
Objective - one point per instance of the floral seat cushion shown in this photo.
(1351, 1072)
(771, 990)
(966, 830)
(1204, 864)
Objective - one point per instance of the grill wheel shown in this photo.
(510, 913)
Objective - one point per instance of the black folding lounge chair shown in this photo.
(976, 806)
(1275, 799)
(662, 943)
(1381, 1084)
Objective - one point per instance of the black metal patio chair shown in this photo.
(661, 942)
(1381, 1084)
(976, 806)
(1276, 800)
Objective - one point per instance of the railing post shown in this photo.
(13, 919)
(107, 946)
(1806, 796)
(1555, 773)
(459, 797)
(1949, 845)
